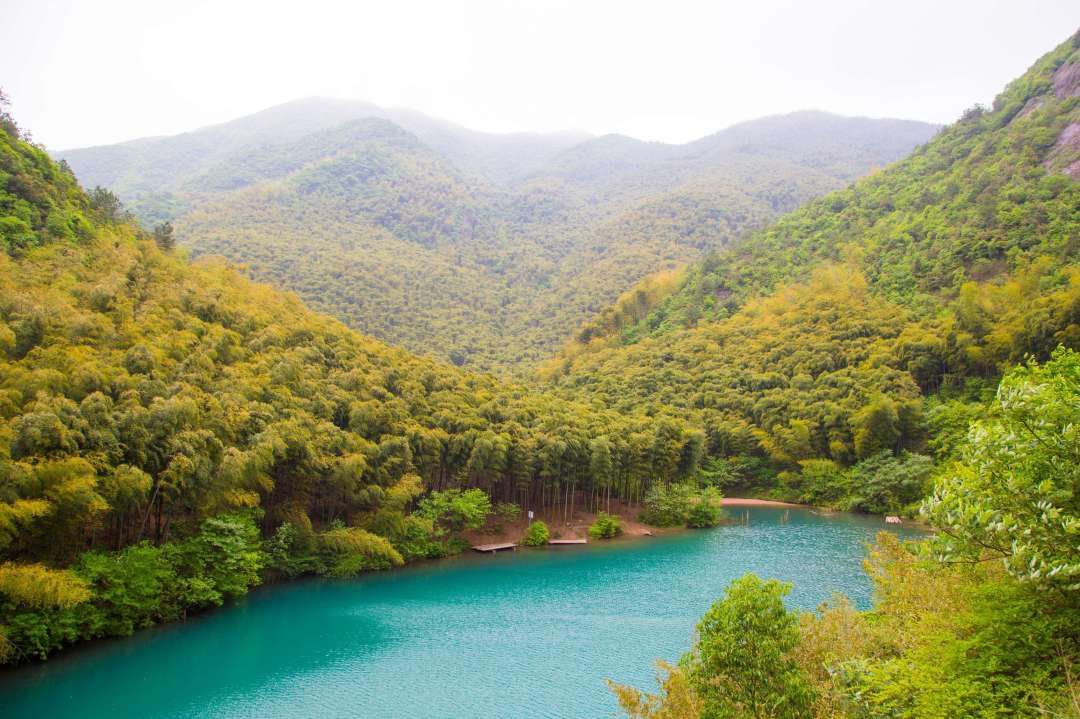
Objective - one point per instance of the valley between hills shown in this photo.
(329, 339)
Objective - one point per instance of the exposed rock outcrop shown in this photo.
(1065, 155)
(1067, 80)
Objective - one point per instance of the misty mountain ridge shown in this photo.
(157, 164)
(485, 249)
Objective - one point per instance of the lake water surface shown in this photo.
(518, 634)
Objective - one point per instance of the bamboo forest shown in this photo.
(338, 409)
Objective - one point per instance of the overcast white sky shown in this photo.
(84, 72)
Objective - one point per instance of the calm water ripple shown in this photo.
(532, 633)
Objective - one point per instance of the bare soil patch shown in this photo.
(574, 527)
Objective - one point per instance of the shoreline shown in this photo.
(577, 525)
(748, 502)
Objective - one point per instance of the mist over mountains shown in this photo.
(496, 247)
(873, 317)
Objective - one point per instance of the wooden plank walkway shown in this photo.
(493, 547)
(568, 541)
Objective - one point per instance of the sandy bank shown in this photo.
(737, 502)
(563, 527)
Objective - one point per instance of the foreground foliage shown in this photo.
(1015, 491)
(740, 665)
(963, 625)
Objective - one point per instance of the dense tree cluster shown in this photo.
(814, 343)
(172, 432)
(982, 620)
(797, 374)
(990, 198)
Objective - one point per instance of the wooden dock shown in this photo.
(568, 541)
(492, 548)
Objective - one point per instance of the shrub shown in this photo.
(886, 484)
(351, 550)
(667, 505)
(37, 602)
(417, 540)
(412, 536)
(681, 505)
(537, 535)
(133, 588)
(455, 509)
(742, 662)
(291, 551)
(821, 482)
(707, 511)
(226, 553)
(38, 586)
(606, 526)
(136, 587)
(675, 699)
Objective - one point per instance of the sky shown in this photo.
(89, 72)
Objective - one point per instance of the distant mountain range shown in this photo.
(485, 249)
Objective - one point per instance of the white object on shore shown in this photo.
(892, 519)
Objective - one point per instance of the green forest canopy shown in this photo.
(171, 433)
(980, 620)
(146, 398)
(406, 232)
(875, 318)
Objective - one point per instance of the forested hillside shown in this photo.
(849, 356)
(874, 319)
(173, 433)
(159, 420)
(979, 619)
(487, 250)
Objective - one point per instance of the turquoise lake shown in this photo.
(517, 634)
